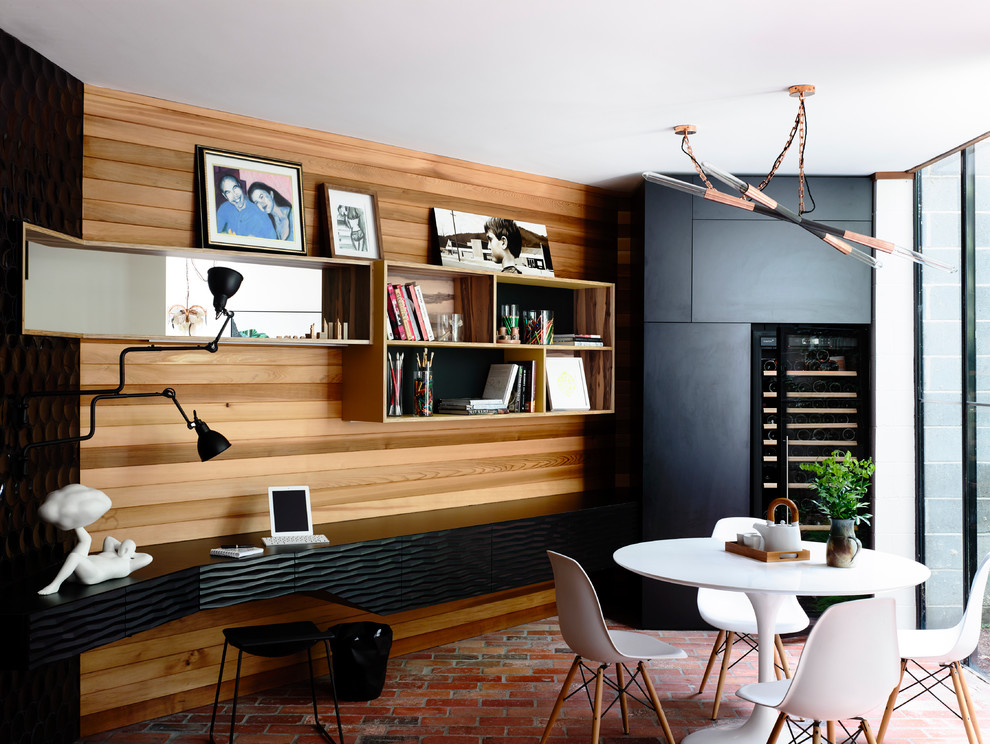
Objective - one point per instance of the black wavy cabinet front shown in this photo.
(382, 576)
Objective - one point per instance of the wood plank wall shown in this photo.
(280, 407)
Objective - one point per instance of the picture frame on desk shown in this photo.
(353, 226)
(249, 202)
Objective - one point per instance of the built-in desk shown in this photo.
(381, 565)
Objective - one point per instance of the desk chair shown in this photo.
(849, 666)
(583, 627)
(945, 647)
(731, 613)
(277, 640)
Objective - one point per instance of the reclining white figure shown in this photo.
(72, 508)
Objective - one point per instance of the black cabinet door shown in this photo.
(696, 444)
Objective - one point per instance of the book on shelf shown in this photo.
(422, 316)
(469, 411)
(501, 381)
(472, 402)
(567, 388)
(405, 309)
(578, 339)
(529, 386)
(393, 314)
(238, 551)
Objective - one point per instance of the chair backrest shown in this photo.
(578, 611)
(850, 663)
(969, 626)
(728, 527)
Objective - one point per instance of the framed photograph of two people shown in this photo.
(248, 202)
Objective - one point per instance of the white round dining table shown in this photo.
(704, 562)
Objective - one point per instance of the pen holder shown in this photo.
(423, 392)
(395, 391)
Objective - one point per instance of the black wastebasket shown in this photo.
(360, 657)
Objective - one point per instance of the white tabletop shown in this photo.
(704, 562)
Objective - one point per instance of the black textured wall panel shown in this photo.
(445, 566)
(157, 601)
(232, 582)
(69, 630)
(589, 536)
(367, 575)
(41, 182)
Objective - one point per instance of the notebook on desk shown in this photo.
(291, 517)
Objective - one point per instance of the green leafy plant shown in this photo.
(840, 482)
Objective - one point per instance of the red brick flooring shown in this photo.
(500, 688)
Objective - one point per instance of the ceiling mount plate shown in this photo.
(797, 90)
(683, 129)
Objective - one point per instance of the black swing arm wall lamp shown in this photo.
(223, 283)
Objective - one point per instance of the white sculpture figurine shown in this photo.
(72, 508)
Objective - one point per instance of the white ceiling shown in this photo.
(579, 90)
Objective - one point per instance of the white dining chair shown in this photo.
(583, 627)
(944, 648)
(849, 667)
(731, 613)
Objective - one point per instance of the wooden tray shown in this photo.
(768, 557)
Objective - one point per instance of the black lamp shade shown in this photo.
(211, 443)
(224, 283)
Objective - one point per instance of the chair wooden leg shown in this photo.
(867, 731)
(711, 660)
(622, 698)
(778, 726)
(891, 702)
(816, 733)
(776, 661)
(596, 725)
(969, 704)
(958, 682)
(779, 643)
(560, 698)
(729, 635)
(830, 731)
(661, 716)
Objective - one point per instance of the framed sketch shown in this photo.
(353, 226)
(567, 387)
(249, 202)
(496, 244)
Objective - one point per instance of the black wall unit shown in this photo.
(710, 273)
(383, 576)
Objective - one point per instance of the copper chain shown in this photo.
(798, 129)
(686, 149)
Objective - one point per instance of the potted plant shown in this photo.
(840, 483)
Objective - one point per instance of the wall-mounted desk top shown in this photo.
(380, 565)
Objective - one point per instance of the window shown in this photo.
(954, 401)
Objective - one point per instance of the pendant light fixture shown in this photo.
(752, 198)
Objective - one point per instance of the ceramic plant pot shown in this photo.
(842, 545)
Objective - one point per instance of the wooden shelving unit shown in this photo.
(460, 367)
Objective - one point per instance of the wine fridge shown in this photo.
(810, 398)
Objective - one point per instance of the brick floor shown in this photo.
(500, 688)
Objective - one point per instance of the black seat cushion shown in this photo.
(277, 639)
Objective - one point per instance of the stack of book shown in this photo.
(471, 406)
(578, 339)
(509, 388)
(408, 319)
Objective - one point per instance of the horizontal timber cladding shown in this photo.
(281, 407)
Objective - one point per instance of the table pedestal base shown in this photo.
(754, 730)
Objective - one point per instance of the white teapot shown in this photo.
(783, 536)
